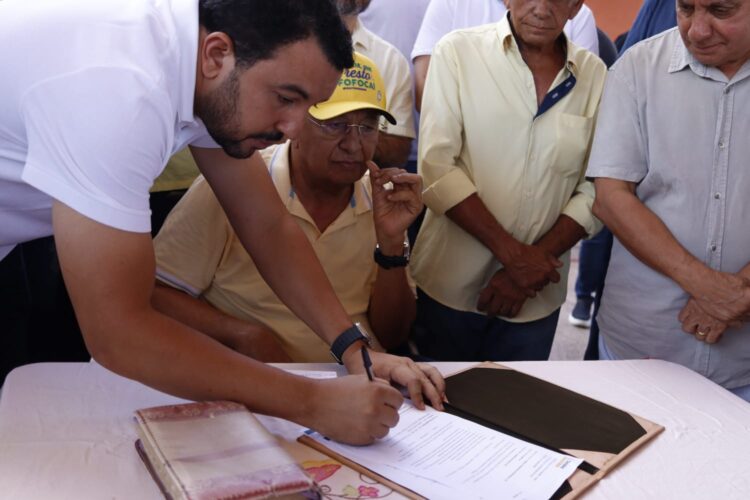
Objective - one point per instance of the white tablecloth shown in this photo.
(66, 430)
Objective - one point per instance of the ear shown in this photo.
(215, 54)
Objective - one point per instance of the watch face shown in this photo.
(364, 334)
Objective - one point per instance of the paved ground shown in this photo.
(570, 341)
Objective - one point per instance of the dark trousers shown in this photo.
(445, 334)
(592, 264)
(37, 322)
(592, 348)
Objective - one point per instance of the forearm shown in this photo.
(393, 307)
(563, 235)
(646, 236)
(473, 217)
(110, 275)
(171, 357)
(199, 315)
(392, 150)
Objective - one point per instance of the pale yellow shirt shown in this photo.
(394, 68)
(198, 251)
(479, 134)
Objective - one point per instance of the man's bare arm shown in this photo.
(393, 306)
(392, 150)
(529, 266)
(727, 296)
(110, 276)
(562, 236)
(251, 339)
(501, 296)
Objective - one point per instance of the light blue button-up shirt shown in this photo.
(681, 131)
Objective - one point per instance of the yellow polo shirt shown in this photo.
(198, 252)
(479, 133)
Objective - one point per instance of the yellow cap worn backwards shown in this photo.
(360, 87)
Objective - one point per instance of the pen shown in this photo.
(367, 362)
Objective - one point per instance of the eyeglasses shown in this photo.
(340, 129)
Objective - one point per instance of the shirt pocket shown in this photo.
(572, 136)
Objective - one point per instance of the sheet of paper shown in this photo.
(447, 454)
(313, 373)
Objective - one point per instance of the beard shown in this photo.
(218, 111)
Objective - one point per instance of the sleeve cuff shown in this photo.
(448, 191)
(579, 209)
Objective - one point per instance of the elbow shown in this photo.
(109, 344)
(102, 351)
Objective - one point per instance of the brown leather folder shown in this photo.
(550, 416)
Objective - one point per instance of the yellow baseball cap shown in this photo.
(360, 87)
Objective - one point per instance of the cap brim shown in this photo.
(328, 110)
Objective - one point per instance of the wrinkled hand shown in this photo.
(501, 297)
(724, 296)
(354, 410)
(420, 379)
(698, 322)
(532, 268)
(394, 209)
(261, 343)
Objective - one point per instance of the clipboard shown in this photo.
(541, 413)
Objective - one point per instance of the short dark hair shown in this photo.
(258, 28)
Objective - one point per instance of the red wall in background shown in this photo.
(614, 16)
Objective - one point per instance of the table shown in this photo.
(66, 430)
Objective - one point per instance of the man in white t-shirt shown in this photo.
(102, 94)
(394, 143)
(444, 16)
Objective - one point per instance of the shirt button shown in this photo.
(722, 145)
(713, 248)
(717, 196)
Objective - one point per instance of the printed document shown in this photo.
(439, 455)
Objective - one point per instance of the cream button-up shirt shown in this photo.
(480, 133)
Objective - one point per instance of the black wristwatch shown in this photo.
(391, 261)
(347, 338)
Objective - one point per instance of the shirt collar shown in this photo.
(682, 58)
(278, 166)
(508, 42)
(185, 18)
(361, 37)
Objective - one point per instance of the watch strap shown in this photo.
(391, 261)
(346, 339)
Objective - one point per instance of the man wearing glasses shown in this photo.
(355, 224)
